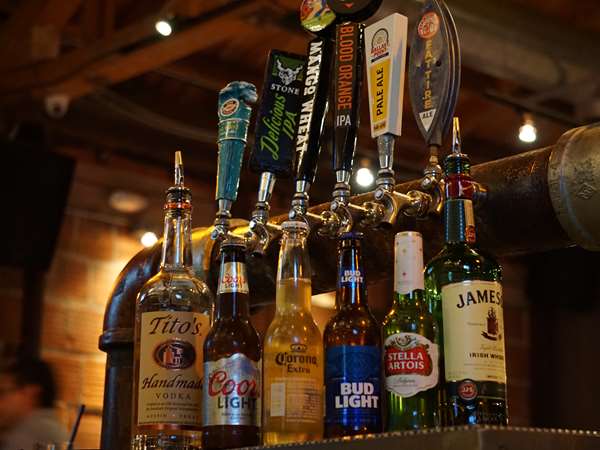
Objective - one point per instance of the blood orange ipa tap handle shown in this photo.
(234, 116)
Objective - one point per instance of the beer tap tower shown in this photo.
(273, 154)
(234, 116)
(317, 18)
(347, 85)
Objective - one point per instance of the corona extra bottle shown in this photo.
(293, 350)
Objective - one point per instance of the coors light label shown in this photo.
(232, 391)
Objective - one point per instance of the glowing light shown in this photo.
(148, 239)
(364, 177)
(528, 131)
(163, 27)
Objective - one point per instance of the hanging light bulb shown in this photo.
(163, 27)
(528, 131)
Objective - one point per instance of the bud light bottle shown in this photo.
(352, 351)
(232, 353)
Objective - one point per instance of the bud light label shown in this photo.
(352, 383)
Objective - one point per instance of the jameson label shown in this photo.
(170, 380)
(473, 331)
(352, 385)
(233, 278)
(232, 391)
(411, 364)
(385, 43)
(277, 117)
(294, 384)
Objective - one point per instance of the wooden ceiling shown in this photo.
(134, 96)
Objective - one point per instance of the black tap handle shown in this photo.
(348, 81)
(313, 109)
(354, 10)
(278, 113)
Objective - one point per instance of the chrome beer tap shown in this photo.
(385, 43)
(273, 153)
(234, 115)
(318, 19)
(434, 82)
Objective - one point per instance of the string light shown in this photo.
(528, 131)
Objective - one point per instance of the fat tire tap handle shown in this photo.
(234, 116)
(347, 85)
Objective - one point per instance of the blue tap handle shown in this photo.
(234, 116)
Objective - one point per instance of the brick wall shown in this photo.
(88, 259)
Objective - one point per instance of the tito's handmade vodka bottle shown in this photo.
(172, 318)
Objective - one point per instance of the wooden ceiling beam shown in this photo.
(82, 71)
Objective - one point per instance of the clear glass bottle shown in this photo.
(411, 355)
(172, 318)
(293, 350)
(463, 287)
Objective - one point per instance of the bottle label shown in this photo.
(294, 384)
(170, 378)
(411, 364)
(351, 278)
(232, 392)
(233, 278)
(473, 331)
(408, 263)
(352, 384)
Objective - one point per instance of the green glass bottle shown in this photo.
(463, 287)
(411, 356)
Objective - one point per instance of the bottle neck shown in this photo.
(293, 273)
(352, 287)
(177, 240)
(459, 221)
(412, 300)
(233, 300)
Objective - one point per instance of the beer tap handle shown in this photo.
(311, 121)
(347, 85)
(273, 153)
(234, 112)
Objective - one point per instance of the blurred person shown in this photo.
(27, 416)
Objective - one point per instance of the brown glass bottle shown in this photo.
(232, 354)
(352, 343)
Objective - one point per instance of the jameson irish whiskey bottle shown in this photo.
(464, 288)
(352, 351)
(293, 350)
(172, 318)
(411, 362)
(232, 361)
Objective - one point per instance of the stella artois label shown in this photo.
(473, 331)
(411, 364)
(170, 379)
(233, 278)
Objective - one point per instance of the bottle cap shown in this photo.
(408, 262)
(294, 224)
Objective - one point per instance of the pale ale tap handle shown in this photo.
(234, 116)
(273, 154)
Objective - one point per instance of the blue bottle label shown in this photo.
(352, 386)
